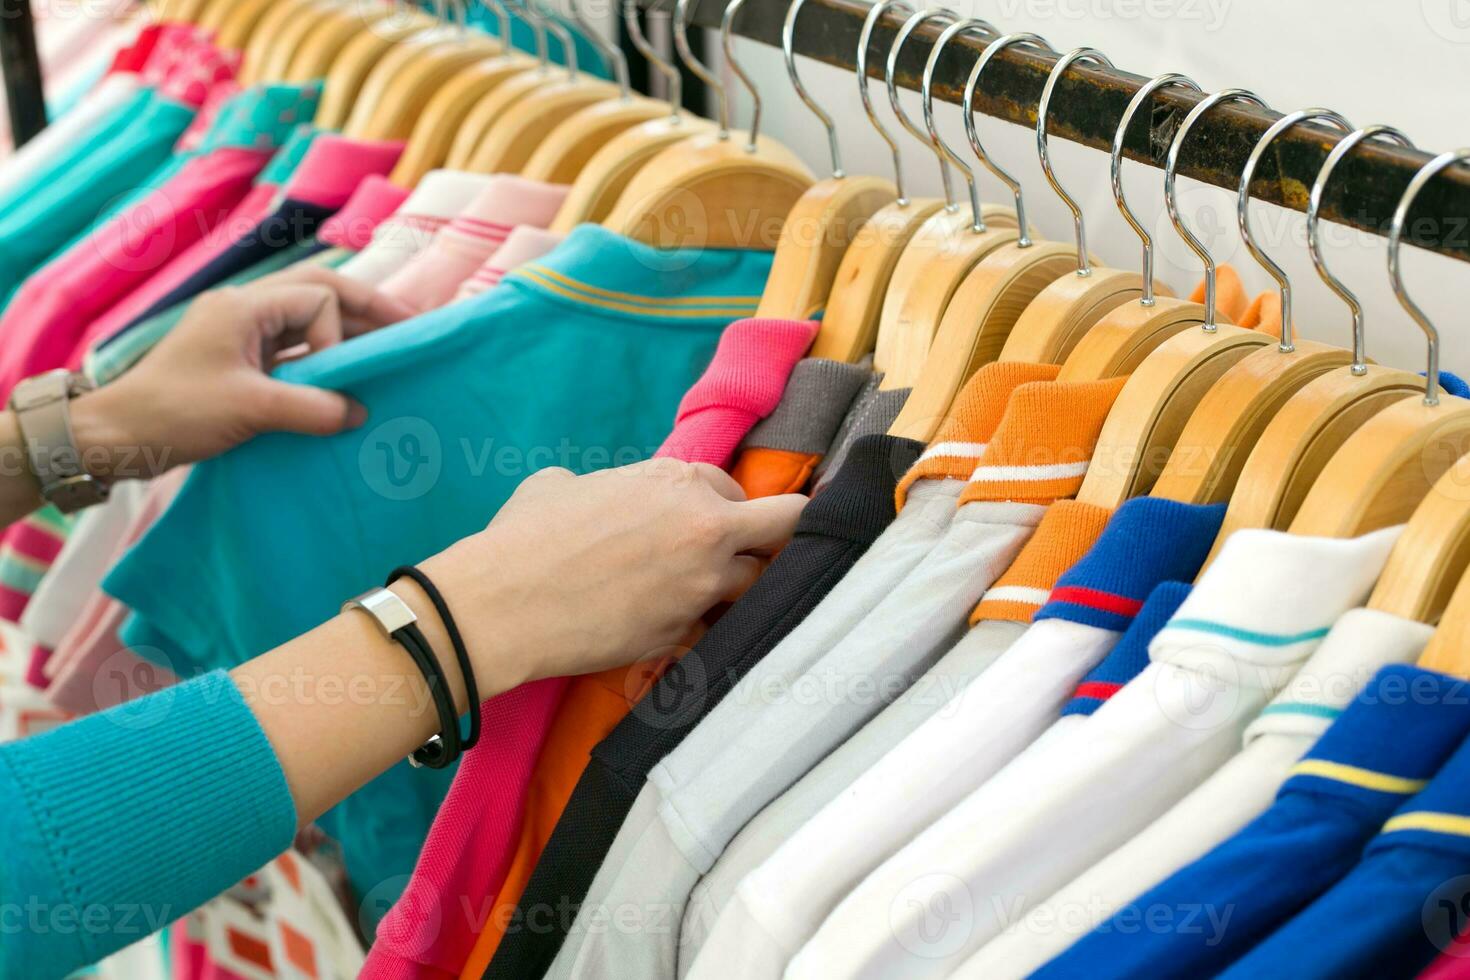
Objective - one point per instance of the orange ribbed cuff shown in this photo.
(1065, 534)
(971, 421)
(1041, 449)
(763, 472)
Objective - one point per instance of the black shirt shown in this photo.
(834, 531)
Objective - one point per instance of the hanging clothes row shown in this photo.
(1123, 634)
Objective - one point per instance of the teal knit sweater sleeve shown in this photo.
(118, 823)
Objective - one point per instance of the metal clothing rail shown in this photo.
(21, 65)
(1090, 102)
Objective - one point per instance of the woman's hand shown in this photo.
(577, 574)
(206, 389)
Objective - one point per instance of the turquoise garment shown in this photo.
(123, 821)
(54, 212)
(523, 38)
(580, 361)
(111, 358)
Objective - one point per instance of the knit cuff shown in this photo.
(813, 406)
(1130, 656)
(156, 806)
(858, 504)
(1064, 535)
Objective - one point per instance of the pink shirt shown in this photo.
(524, 244)
(431, 277)
(430, 931)
(374, 200)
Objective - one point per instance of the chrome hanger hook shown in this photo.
(1243, 211)
(502, 22)
(865, 40)
(558, 30)
(1395, 266)
(610, 51)
(1043, 109)
(640, 41)
(1314, 238)
(926, 89)
(700, 70)
(1119, 139)
(788, 46)
(971, 86)
(889, 73)
(1171, 195)
(727, 42)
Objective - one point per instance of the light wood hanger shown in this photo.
(850, 326)
(1385, 470)
(181, 11)
(948, 245)
(1315, 423)
(278, 34)
(511, 139)
(713, 191)
(231, 20)
(825, 220)
(994, 295)
(606, 174)
(433, 136)
(401, 85)
(291, 38)
(353, 65)
(319, 49)
(1163, 392)
(1429, 561)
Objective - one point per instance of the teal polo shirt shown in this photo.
(579, 360)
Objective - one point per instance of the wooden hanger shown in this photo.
(825, 220)
(1429, 561)
(1166, 387)
(232, 21)
(335, 18)
(278, 33)
(319, 49)
(1315, 423)
(353, 65)
(1385, 469)
(181, 11)
(946, 246)
(714, 191)
(403, 82)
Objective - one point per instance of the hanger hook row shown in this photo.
(698, 68)
(971, 25)
(972, 85)
(1043, 110)
(641, 42)
(890, 78)
(538, 30)
(1243, 210)
(788, 46)
(727, 42)
(611, 52)
(865, 40)
(1171, 196)
(1431, 170)
(1170, 79)
(502, 21)
(1314, 237)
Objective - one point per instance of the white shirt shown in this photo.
(1259, 611)
(1360, 643)
(438, 198)
(780, 905)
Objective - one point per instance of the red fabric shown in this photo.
(35, 543)
(44, 327)
(132, 58)
(431, 930)
(1093, 599)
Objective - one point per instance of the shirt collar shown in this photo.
(1147, 542)
(1361, 642)
(262, 117)
(1128, 659)
(1069, 529)
(1268, 601)
(1439, 816)
(374, 199)
(858, 503)
(333, 167)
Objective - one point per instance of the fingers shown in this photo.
(764, 526)
(723, 483)
(307, 410)
(361, 308)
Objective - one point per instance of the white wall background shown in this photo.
(1402, 62)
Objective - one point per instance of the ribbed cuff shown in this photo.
(1130, 656)
(858, 504)
(1069, 529)
(156, 806)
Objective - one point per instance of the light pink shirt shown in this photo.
(374, 200)
(523, 244)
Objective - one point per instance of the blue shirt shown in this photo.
(578, 361)
(1404, 903)
(1128, 659)
(1391, 739)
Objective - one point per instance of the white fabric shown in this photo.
(38, 153)
(1360, 643)
(439, 197)
(76, 575)
(706, 803)
(781, 904)
(787, 813)
(1259, 611)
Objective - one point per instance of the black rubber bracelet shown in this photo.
(466, 669)
(445, 749)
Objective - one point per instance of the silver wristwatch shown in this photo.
(42, 406)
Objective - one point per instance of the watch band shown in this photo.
(42, 407)
(398, 623)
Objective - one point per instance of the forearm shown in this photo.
(19, 492)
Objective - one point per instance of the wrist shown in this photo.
(111, 447)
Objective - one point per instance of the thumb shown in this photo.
(308, 410)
